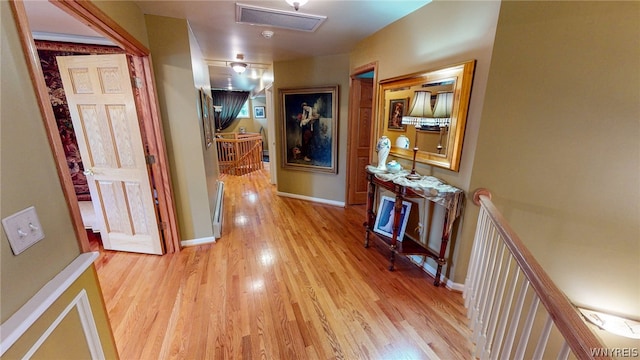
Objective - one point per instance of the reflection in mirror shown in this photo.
(424, 114)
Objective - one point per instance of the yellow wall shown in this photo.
(559, 144)
(439, 34)
(209, 154)
(192, 176)
(319, 71)
(28, 178)
(128, 15)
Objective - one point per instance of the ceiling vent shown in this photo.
(254, 15)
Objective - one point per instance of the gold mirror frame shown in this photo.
(459, 79)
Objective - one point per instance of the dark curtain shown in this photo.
(231, 102)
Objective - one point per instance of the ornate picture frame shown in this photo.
(206, 111)
(310, 128)
(397, 109)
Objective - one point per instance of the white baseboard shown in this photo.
(426, 267)
(312, 199)
(200, 241)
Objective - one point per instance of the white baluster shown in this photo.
(515, 320)
(496, 313)
(478, 283)
(544, 337)
(478, 242)
(490, 311)
(526, 330)
(564, 351)
(487, 287)
(505, 312)
(481, 242)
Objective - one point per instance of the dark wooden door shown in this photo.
(360, 139)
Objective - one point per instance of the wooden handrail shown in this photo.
(239, 153)
(566, 317)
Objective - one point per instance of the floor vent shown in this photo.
(255, 15)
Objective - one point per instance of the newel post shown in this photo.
(480, 192)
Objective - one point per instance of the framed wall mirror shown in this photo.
(426, 112)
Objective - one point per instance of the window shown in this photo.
(244, 112)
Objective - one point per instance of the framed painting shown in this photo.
(211, 122)
(206, 104)
(310, 128)
(258, 112)
(385, 216)
(397, 109)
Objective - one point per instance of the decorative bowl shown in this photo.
(394, 167)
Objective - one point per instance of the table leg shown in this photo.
(370, 215)
(366, 236)
(392, 260)
(446, 232)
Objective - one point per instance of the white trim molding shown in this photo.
(81, 302)
(218, 211)
(200, 241)
(312, 199)
(426, 267)
(15, 326)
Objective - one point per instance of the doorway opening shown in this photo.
(146, 107)
(362, 95)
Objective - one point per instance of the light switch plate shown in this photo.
(23, 229)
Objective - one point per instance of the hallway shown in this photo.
(289, 279)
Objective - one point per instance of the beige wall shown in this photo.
(128, 15)
(191, 171)
(210, 155)
(440, 34)
(559, 144)
(319, 71)
(28, 178)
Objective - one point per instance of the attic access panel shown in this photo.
(255, 15)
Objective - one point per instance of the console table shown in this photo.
(427, 187)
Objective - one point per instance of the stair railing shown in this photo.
(239, 154)
(502, 279)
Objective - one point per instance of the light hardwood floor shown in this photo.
(289, 279)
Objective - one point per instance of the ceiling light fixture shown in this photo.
(238, 67)
(296, 3)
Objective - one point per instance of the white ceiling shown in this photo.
(221, 38)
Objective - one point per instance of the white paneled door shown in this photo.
(100, 97)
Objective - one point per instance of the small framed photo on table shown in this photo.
(385, 216)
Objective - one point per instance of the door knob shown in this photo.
(88, 172)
